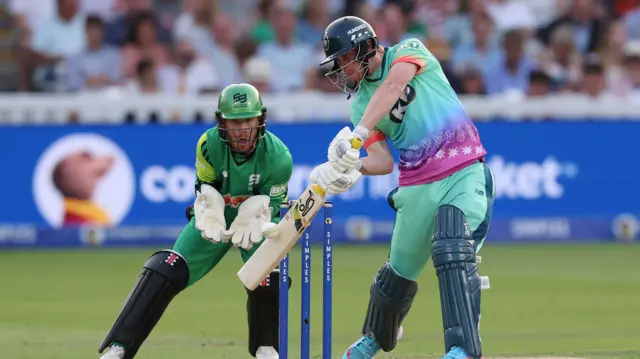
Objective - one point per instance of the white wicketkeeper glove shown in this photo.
(341, 153)
(332, 181)
(209, 212)
(246, 229)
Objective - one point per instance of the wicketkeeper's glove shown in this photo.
(208, 209)
(245, 231)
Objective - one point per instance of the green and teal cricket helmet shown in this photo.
(241, 103)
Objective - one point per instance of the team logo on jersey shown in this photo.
(234, 201)
(278, 190)
(400, 107)
(414, 44)
(254, 180)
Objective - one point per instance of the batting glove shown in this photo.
(332, 181)
(344, 150)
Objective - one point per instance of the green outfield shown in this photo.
(581, 300)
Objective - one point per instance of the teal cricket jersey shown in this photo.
(428, 124)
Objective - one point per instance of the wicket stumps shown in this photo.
(305, 287)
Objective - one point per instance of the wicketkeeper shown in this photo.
(242, 175)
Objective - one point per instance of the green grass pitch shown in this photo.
(570, 300)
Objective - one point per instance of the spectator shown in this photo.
(545, 11)
(314, 19)
(366, 11)
(629, 82)
(621, 8)
(240, 11)
(244, 49)
(262, 31)
(222, 53)
(396, 23)
(143, 43)
(632, 21)
(510, 70)
(561, 60)
(611, 54)
(144, 83)
(457, 27)
(106, 10)
(427, 18)
(190, 74)
(483, 48)
(195, 22)
(582, 19)
(471, 82)
(539, 84)
(94, 68)
(293, 63)
(594, 81)
(54, 39)
(257, 72)
(165, 14)
(118, 31)
(27, 13)
(509, 15)
(441, 50)
(145, 80)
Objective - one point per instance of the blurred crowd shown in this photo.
(488, 47)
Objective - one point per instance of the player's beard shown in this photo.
(241, 142)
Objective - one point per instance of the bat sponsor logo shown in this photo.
(307, 205)
(298, 219)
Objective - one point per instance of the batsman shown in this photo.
(445, 195)
(242, 175)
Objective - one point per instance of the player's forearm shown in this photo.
(381, 103)
(375, 166)
(387, 94)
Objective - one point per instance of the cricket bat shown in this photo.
(267, 257)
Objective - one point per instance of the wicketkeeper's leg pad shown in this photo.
(163, 276)
(390, 299)
(262, 314)
(454, 258)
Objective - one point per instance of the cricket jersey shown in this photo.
(428, 124)
(237, 177)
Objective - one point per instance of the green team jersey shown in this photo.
(237, 177)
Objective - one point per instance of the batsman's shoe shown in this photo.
(457, 353)
(115, 352)
(364, 348)
(367, 354)
(266, 353)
